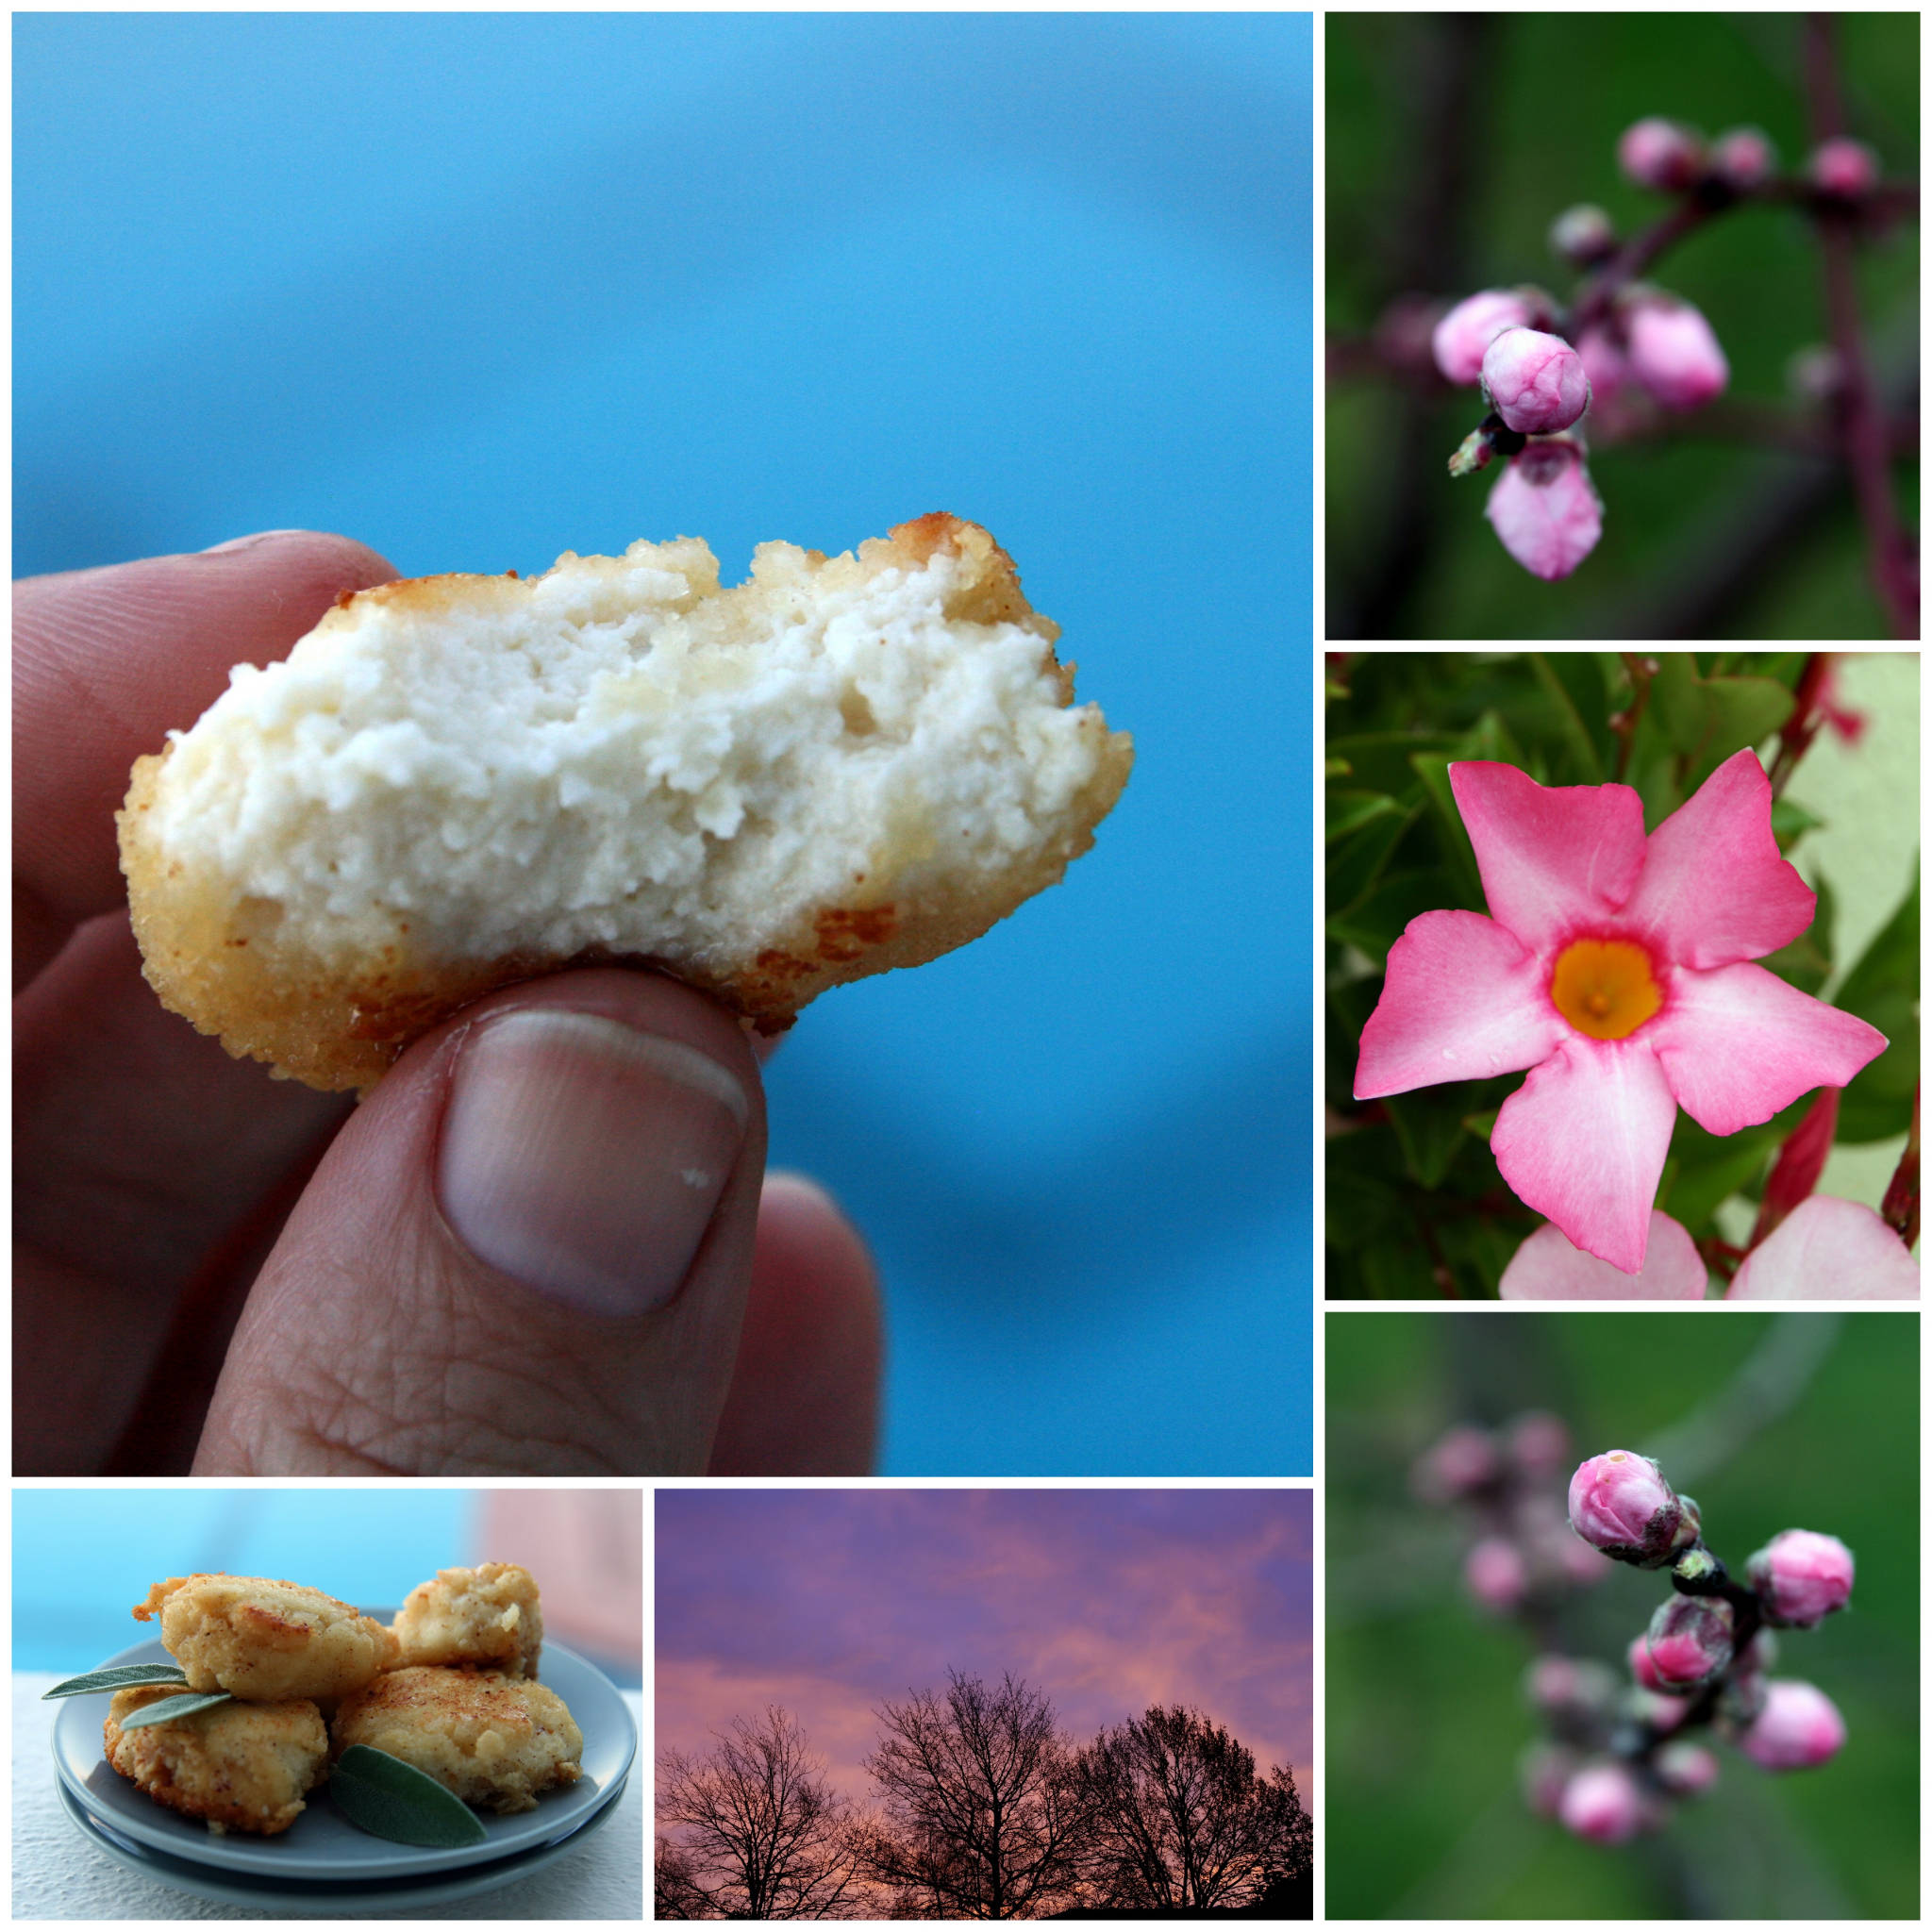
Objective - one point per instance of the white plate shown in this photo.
(322, 1846)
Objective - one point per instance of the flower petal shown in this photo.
(1738, 1044)
(1462, 1001)
(1548, 1267)
(1583, 1142)
(1552, 857)
(1715, 888)
(1830, 1250)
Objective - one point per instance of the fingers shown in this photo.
(105, 663)
(526, 1253)
(805, 1394)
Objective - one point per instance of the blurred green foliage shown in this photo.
(1415, 1203)
(1551, 92)
(1425, 1716)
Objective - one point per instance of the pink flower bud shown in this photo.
(1535, 381)
(1539, 1442)
(1469, 329)
(1798, 1727)
(1845, 168)
(1802, 1576)
(1674, 354)
(1461, 1463)
(1662, 1713)
(1685, 1769)
(1621, 1505)
(1544, 510)
(1640, 1666)
(1602, 1803)
(1689, 1642)
(1582, 235)
(1496, 1574)
(1660, 153)
(1571, 1685)
(1744, 158)
(1605, 363)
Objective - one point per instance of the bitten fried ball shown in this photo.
(265, 1640)
(493, 1741)
(240, 1767)
(487, 1616)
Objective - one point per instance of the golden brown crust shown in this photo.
(238, 1767)
(220, 964)
(490, 1616)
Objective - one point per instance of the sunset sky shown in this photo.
(827, 1602)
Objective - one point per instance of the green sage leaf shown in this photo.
(387, 1798)
(165, 1711)
(118, 1678)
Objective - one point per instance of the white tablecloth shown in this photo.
(58, 1874)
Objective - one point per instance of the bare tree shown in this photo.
(1179, 1819)
(982, 1810)
(676, 1893)
(762, 1834)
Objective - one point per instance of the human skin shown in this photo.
(217, 1268)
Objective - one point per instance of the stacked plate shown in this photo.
(322, 1864)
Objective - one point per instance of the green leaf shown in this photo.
(1883, 991)
(1430, 1125)
(118, 1678)
(1573, 683)
(1705, 719)
(1789, 822)
(387, 1798)
(166, 1709)
(1359, 859)
(1432, 767)
(1349, 811)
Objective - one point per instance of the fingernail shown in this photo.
(248, 543)
(584, 1158)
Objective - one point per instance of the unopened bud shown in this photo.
(1496, 1574)
(1469, 329)
(1571, 1685)
(1743, 158)
(1460, 1464)
(1544, 509)
(1535, 382)
(1603, 1803)
(1672, 352)
(1540, 1444)
(1689, 1642)
(1798, 1727)
(1660, 153)
(1662, 1713)
(1621, 1505)
(1847, 169)
(1685, 1769)
(1802, 1576)
(1582, 235)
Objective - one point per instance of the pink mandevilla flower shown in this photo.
(1463, 336)
(1549, 1267)
(1829, 1250)
(1656, 152)
(1799, 1727)
(1535, 382)
(1673, 353)
(1602, 1803)
(1614, 969)
(1845, 168)
(1544, 508)
(1621, 1503)
(1803, 1577)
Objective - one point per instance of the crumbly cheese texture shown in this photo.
(491, 1739)
(839, 766)
(266, 1640)
(237, 1766)
(490, 1616)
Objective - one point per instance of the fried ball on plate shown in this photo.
(487, 1616)
(491, 1739)
(265, 1640)
(240, 1767)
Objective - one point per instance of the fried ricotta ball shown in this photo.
(455, 782)
(240, 1767)
(487, 1616)
(491, 1739)
(265, 1640)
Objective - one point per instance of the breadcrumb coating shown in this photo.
(487, 1616)
(238, 1767)
(266, 1640)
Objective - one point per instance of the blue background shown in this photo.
(479, 288)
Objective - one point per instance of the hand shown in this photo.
(496, 1263)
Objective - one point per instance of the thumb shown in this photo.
(526, 1253)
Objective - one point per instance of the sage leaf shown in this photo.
(387, 1798)
(118, 1680)
(165, 1711)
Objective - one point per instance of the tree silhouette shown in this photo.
(761, 1833)
(983, 1814)
(1177, 1817)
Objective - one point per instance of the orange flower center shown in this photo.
(1604, 987)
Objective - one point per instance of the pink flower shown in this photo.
(1535, 381)
(1829, 1250)
(1662, 1713)
(1640, 1666)
(1685, 1769)
(1544, 508)
(1466, 332)
(1689, 1642)
(1613, 967)
(1673, 353)
(1547, 1267)
(1745, 157)
(1621, 1505)
(1602, 1803)
(1496, 1574)
(1845, 168)
(1799, 1727)
(1660, 153)
(1802, 1576)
